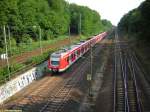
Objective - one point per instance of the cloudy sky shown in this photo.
(112, 10)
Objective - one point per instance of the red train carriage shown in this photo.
(60, 60)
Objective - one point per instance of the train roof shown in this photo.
(67, 49)
(63, 51)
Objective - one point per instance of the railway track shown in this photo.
(62, 97)
(125, 90)
(126, 93)
(59, 100)
(54, 95)
(142, 82)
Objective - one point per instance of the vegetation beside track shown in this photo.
(18, 67)
(142, 51)
(15, 50)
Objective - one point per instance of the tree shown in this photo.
(136, 23)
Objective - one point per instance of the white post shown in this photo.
(9, 39)
(4, 31)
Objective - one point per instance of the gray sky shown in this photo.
(112, 10)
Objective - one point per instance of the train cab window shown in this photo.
(55, 63)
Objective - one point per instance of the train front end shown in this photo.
(54, 62)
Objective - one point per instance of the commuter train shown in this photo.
(62, 59)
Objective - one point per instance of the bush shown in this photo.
(48, 34)
(13, 68)
(26, 38)
(13, 41)
(39, 59)
(1, 51)
(17, 66)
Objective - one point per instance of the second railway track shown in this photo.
(125, 90)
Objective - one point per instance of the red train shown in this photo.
(61, 60)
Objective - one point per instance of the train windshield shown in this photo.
(55, 63)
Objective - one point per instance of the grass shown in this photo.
(25, 47)
(4, 73)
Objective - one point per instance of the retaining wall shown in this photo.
(15, 85)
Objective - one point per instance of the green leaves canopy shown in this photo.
(136, 23)
(53, 16)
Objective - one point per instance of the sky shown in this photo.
(111, 10)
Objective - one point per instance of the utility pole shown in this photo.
(90, 76)
(9, 39)
(69, 35)
(80, 24)
(4, 32)
(91, 60)
(91, 72)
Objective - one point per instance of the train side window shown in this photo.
(68, 59)
(76, 53)
(71, 56)
(82, 50)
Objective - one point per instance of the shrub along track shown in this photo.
(39, 93)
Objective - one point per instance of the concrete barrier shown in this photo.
(23, 80)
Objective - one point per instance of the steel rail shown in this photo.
(123, 68)
(73, 84)
(114, 80)
(135, 84)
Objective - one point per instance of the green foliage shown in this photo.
(90, 22)
(17, 66)
(54, 17)
(26, 39)
(38, 59)
(12, 42)
(1, 50)
(136, 23)
(106, 24)
(13, 68)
